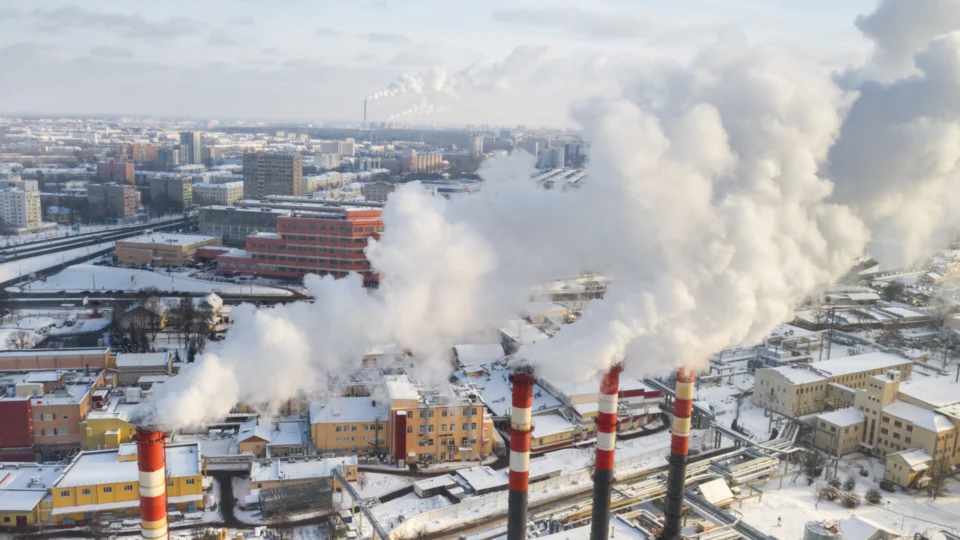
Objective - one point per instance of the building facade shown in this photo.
(223, 194)
(116, 171)
(20, 209)
(234, 224)
(272, 174)
(172, 192)
(378, 191)
(190, 150)
(421, 162)
(324, 243)
(112, 202)
(163, 249)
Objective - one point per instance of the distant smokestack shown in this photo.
(679, 448)
(521, 418)
(151, 459)
(364, 114)
(606, 447)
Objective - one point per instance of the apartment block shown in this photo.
(112, 203)
(222, 194)
(116, 171)
(171, 192)
(20, 209)
(272, 174)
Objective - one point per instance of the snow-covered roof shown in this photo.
(253, 428)
(798, 375)
(854, 527)
(857, 364)
(939, 392)
(349, 409)
(523, 332)
(915, 457)
(104, 466)
(843, 417)
(550, 423)
(479, 353)
(24, 485)
(716, 491)
(168, 238)
(591, 386)
(923, 418)
(274, 470)
(400, 387)
(134, 360)
(287, 434)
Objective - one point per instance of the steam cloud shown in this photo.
(710, 203)
(423, 108)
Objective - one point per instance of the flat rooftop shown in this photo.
(858, 364)
(266, 471)
(168, 239)
(105, 467)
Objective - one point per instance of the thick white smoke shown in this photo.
(707, 204)
(422, 108)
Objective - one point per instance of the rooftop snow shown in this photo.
(349, 409)
(918, 416)
(129, 360)
(858, 363)
(935, 391)
(591, 386)
(550, 423)
(268, 471)
(400, 387)
(475, 354)
(913, 457)
(105, 467)
(24, 485)
(496, 394)
(843, 417)
(798, 375)
(287, 434)
(169, 239)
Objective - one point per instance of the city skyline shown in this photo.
(233, 59)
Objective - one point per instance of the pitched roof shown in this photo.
(927, 419)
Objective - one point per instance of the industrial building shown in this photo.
(163, 249)
(235, 224)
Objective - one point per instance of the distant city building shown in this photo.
(20, 209)
(272, 174)
(116, 171)
(367, 163)
(190, 152)
(140, 153)
(235, 224)
(112, 202)
(327, 161)
(345, 148)
(329, 242)
(421, 162)
(531, 146)
(168, 158)
(173, 193)
(378, 191)
(551, 158)
(476, 144)
(225, 193)
(163, 249)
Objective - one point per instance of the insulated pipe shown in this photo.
(679, 448)
(606, 446)
(521, 418)
(153, 483)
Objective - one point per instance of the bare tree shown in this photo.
(939, 475)
(20, 339)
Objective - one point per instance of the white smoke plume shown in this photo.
(422, 108)
(707, 203)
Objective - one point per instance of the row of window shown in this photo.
(364, 427)
(314, 261)
(444, 413)
(126, 487)
(49, 416)
(43, 432)
(443, 428)
(338, 228)
(372, 438)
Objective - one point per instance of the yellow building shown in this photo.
(839, 432)
(106, 481)
(163, 249)
(907, 468)
(349, 425)
(267, 474)
(25, 493)
(107, 430)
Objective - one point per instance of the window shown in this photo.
(473, 426)
(353, 428)
(907, 440)
(6, 519)
(443, 413)
(409, 429)
(190, 481)
(128, 487)
(84, 491)
(896, 435)
(909, 428)
(338, 429)
(430, 428)
(898, 424)
(886, 420)
(65, 493)
(443, 427)
(107, 489)
(466, 427)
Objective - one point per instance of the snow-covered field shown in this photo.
(82, 277)
(796, 504)
(24, 267)
(379, 484)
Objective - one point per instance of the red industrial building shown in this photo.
(327, 242)
(16, 430)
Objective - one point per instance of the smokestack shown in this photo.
(679, 448)
(364, 114)
(521, 417)
(151, 458)
(606, 446)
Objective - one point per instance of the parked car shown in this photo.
(887, 485)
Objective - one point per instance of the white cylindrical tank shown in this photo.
(821, 530)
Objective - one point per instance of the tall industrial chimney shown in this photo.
(606, 446)
(364, 114)
(679, 448)
(521, 418)
(151, 459)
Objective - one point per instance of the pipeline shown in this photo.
(521, 418)
(679, 449)
(606, 447)
(151, 462)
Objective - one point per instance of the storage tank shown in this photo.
(821, 530)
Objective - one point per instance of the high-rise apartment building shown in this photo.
(140, 153)
(428, 162)
(326, 242)
(190, 152)
(20, 208)
(116, 171)
(272, 174)
(167, 158)
(112, 203)
(171, 193)
(476, 144)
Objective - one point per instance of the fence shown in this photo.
(492, 501)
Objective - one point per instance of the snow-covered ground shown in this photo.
(38, 327)
(394, 512)
(796, 504)
(87, 277)
(379, 484)
(34, 327)
(24, 267)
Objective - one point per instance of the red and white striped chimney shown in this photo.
(151, 461)
(679, 448)
(606, 447)
(521, 420)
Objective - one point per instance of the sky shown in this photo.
(511, 62)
